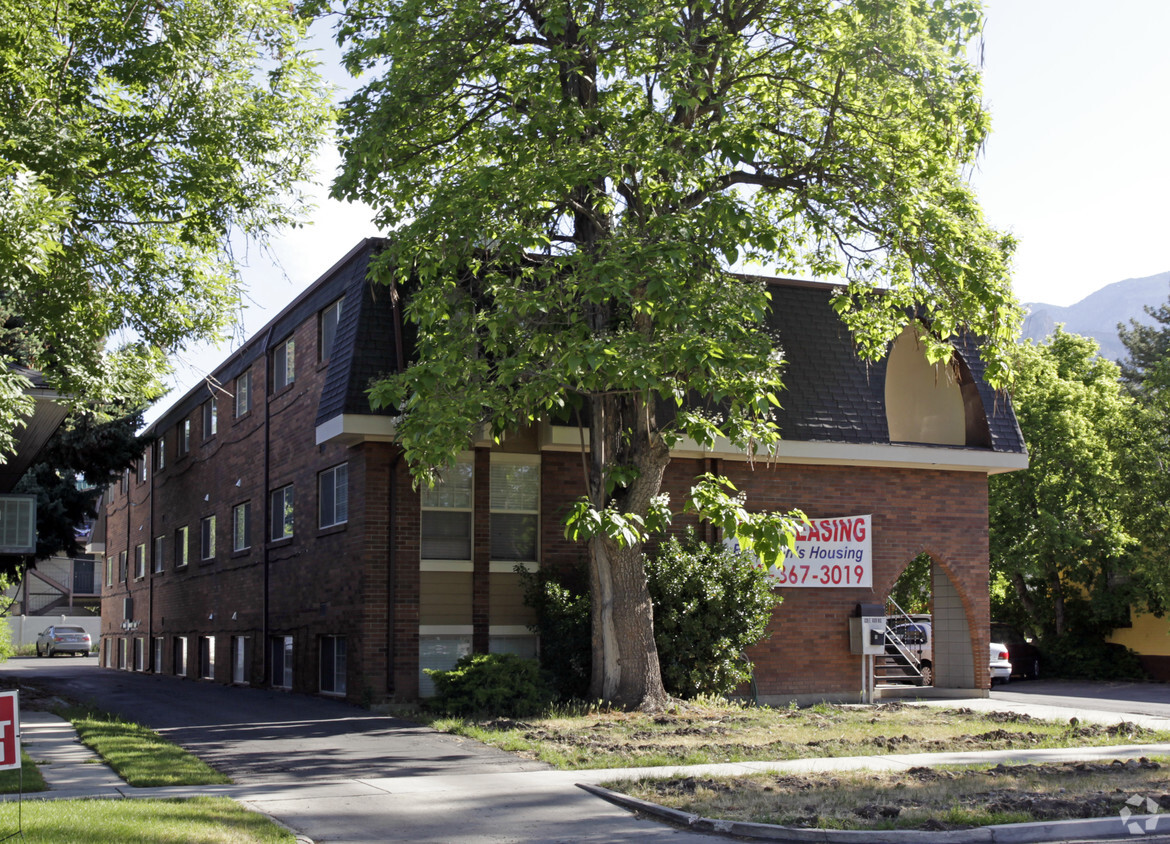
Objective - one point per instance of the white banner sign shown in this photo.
(829, 552)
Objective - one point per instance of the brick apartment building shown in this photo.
(271, 535)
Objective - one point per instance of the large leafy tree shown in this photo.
(1067, 533)
(135, 140)
(568, 183)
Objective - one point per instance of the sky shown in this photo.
(1077, 166)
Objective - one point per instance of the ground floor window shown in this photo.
(157, 655)
(207, 657)
(139, 653)
(108, 646)
(180, 660)
(239, 659)
(439, 653)
(282, 662)
(121, 653)
(522, 645)
(333, 664)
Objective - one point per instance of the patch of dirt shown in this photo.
(32, 697)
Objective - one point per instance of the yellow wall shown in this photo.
(1149, 635)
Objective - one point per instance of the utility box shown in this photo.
(867, 630)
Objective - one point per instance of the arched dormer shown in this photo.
(932, 403)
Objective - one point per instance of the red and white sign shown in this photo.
(834, 553)
(9, 731)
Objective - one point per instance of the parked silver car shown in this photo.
(63, 639)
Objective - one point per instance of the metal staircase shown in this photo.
(902, 663)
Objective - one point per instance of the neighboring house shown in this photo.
(1147, 635)
(272, 535)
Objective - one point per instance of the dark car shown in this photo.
(1024, 655)
(63, 639)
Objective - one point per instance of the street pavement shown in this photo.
(337, 773)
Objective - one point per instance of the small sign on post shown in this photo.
(9, 731)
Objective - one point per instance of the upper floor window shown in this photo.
(242, 526)
(283, 368)
(515, 490)
(160, 453)
(181, 539)
(139, 561)
(207, 538)
(184, 437)
(160, 545)
(244, 393)
(210, 418)
(142, 466)
(333, 494)
(330, 317)
(446, 515)
(282, 513)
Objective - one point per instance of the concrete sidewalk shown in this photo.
(542, 805)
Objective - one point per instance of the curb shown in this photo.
(1037, 832)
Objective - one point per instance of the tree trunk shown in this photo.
(625, 658)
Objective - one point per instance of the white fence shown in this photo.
(26, 628)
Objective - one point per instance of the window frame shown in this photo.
(284, 372)
(182, 553)
(332, 666)
(183, 437)
(206, 657)
(159, 556)
(160, 453)
(207, 538)
(210, 418)
(328, 321)
(244, 393)
(140, 561)
(429, 503)
(288, 507)
(337, 501)
(286, 647)
(496, 506)
(244, 508)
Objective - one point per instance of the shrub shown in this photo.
(563, 623)
(500, 684)
(1082, 657)
(710, 603)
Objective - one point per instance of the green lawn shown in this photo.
(10, 781)
(202, 820)
(139, 755)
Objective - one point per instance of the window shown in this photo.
(181, 547)
(446, 515)
(282, 664)
(139, 653)
(142, 467)
(160, 453)
(184, 432)
(122, 566)
(439, 653)
(242, 526)
(156, 655)
(333, 664)
(330, 317)
(244, 393)
(122, 653)
(125, 481)
(207, 657)
(333, 495)
(139, 561)
(283, 368)
(210, 418)
(179, 664)
(109, 571)
(239, 659)
(160, 547)
(207, 538)
(282, 513)
(515, 489)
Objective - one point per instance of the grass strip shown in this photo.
(702, 732)
(944, 798)
(202, 820)
(138, 754)
(11, 782)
